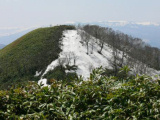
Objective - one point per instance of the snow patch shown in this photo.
(38, 73)
(43, 82)
(73, 46)
(51, 67)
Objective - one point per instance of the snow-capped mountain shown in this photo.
(125, 23)
(148, 31)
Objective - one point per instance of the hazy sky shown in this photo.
(18, 13)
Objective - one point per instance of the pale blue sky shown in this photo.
(18, 13)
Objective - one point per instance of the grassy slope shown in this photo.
(32, 52)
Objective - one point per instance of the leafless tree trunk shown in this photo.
(86, 38)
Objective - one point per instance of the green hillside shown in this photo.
(32, 52)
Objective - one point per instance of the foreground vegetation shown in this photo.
(32, 52)
(100, 97)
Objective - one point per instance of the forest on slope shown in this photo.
(135, 52)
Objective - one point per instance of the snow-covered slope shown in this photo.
(73, 46)
(74, 52)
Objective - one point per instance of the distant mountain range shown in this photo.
(12, 35)
(148, 31)
(2, 46)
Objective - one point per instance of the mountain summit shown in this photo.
(65, 53)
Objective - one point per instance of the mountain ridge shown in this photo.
(148, 31)
(72, 54)
(2, 46)
(28, 54)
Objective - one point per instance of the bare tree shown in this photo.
(61, 62)
(74, 58)
(133, 47)
(115, 61)
(68, 57)
(91, 67)
(92, 46)
(103, 37)
(86, 38)
(92, 30)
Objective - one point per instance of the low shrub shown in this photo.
(100, 97)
